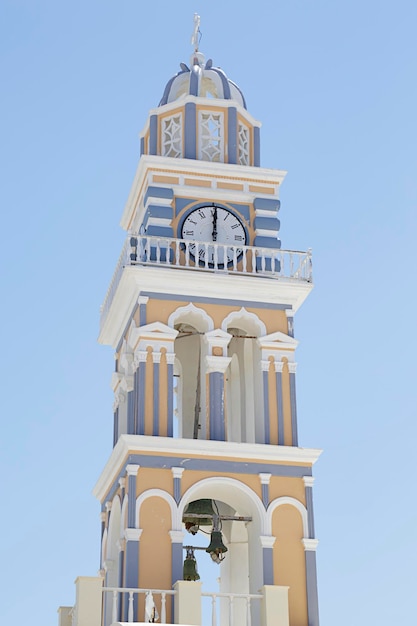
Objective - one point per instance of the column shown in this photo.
(170, 357)
(267, 543)
(140, 361)
(177, 475)
(216, 367)
(280, 410)
(292, 367)
(177, 538)
(156, 358)
(132, 537)
(290, 319)
(310, 547)
(308, 483)
(265, 373)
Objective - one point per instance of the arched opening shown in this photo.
(241, 571)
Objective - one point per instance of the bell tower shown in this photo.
(200, 315)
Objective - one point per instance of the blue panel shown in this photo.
(141, 397)
(246, 303)
(309, 506)
(266, 407)
(142, 314)
(153, 134)
(116, 426)
(265, 498)
(225, 82)
(280, 410)
(156, 399)
(267, 223)
(190, 131)
(131, 576)
(130, 413)
(158, 192)
(160, 231)
(293, 411)
(156, 210)
(267, 204)
(268, 566)
(170, 409)
(256, 146)
(312, 595)
(177, 562)
(243, 209)
(217, 424)
(131, 503)
(177, 489)
(120, 584)
(142, 146)
(232, 135)
(267, 242)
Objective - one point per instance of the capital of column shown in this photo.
(128, 382)
(156, 356)
(267, 541)
(217, 364)
(279, 366)
(292, 367)
(308, 481)
(289, 313)
(143, 300)
(140, 357)
(177, 536)
(103, 516)
(121, 544)
(108, 506)
(177, 471)
(265, 478)
(310, 544)
(133, 534)
(218, 338)
(132, 469)
(122, 482)
(170, 357)
(265, 365)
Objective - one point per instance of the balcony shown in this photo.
(209, 257)
(104, 606)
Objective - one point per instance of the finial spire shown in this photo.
(195, 39)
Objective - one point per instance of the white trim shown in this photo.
(218, 338)
(264, 478)
(292, 367)
(310, 544)
(133, 534)
(308, 481)
(132, 469)
(177, 536)
(191, 284)
(267, 541)
(159, 493)
(131, 444)
(177, 472)
(292, 502)
(245, 319)
(217, 363)
(191, 310)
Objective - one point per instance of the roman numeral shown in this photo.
(202, 214)
(189, 232)
(235, 225)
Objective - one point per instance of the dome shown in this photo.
(201, 80)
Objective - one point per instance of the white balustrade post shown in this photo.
(248, 612)
(130, 610)
(163, 608)
(231, 610)
(213, 611)
(114, 607)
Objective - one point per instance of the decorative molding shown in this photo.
(176, 521)
(143, 299)
(308, 481)
(289, 313)
(310, 544)
(191, 314)
(157, 335)
(132, 469)
(177, 472)
(170, 358)
(122, 482)
(156, 356)
(245, 320)
(292, 367)
(267, 541)
(141, 356)
(177, 536)
(217, 364)
(108, 506)
(279, 366)
(292, 502)
(265, 365)
(217, 338)
(133, 534)
(265, 478)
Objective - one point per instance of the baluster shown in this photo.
(213, 611)
(254, 259)
(114, 607)
(167, 251)
(291, 265)
(130, 609)
(187, 254)
(177, 252)
(163, 608)
(158, 251)
(225, 258)
(263, 262)
(244, 259)
(248, 612)
(231, 610)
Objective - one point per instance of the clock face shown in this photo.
(220, 226)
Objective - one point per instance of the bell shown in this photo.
(189, 571)
(198, 507)
(216, 548)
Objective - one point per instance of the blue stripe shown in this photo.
(156, 399)
(293, 411)
(266, 408)
(232, 135)
(190, 131)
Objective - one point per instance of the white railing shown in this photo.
(234, 603)
(186, 254)
(129, 595)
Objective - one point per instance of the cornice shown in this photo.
(256, 452)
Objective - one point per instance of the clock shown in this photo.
(217, 225)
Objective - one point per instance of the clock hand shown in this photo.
(214, 233)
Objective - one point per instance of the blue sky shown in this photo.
(334, 84)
